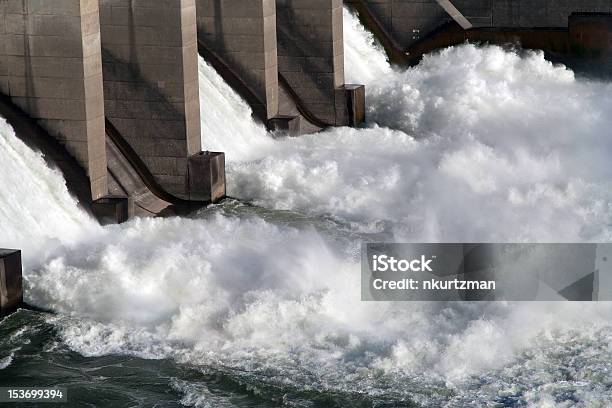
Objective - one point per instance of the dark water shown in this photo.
(35, 356)
(39, 359)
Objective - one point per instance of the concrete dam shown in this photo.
(476, 143)
(108, 89)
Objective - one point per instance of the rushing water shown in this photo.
(255, 302)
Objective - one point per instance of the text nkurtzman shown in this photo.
(456, 284)
(432, 284)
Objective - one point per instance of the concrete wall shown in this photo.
(311, 54)
(591, 36)
(151, 91)
(50, 66)
(243, 34)
(409, 21)
(526, 14)
(541, 13)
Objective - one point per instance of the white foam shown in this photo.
(365, 61)
(37, 213)
(227, 123)
(6, 361)
(479, 143)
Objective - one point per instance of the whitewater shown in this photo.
(476, 143)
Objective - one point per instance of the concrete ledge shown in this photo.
(11, 286)
(290, 125)
(206, 176)
(111, 210)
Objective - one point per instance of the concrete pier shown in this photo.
(311, 56)
(206, 177)
(50, 67)
(151, 87)
(112, 209)
(11, 287)
(243, 34)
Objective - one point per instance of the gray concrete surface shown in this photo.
(151, 93)
(243, 34)
(409, 21)
(311, 53)
(11, 287)
(50, 66)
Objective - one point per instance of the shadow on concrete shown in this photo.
(54, 153)
(369, 19)
(214, 48)
(294, 42)
(582, 49)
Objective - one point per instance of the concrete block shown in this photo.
(355, 104)
(11, 286)
(111, 209)
(206, 176)
(290, 125)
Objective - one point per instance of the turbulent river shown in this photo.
(255, 302)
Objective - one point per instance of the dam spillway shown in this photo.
(115, 84)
